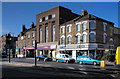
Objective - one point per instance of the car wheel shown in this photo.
(67, 61)
(94, 63)
(80, 62)
(57, 61)
(44, 60)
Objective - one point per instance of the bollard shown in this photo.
(103, 65)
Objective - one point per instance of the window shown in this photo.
(46, 34)
(84, 26)
(69, 29)
(46, 18)
(53, 15)
(69, 40)
(62, 40)
(33, 34)
(24, 43)
(40, 19)
(84, 38)
(104, 39)
(92, 37)
(63, 30)
(92, 25)
(78, 39)
(33, 43)
(40, 35)
(28, 43)
(53, 35)
(28, 35)
(78, 27)
(104, 27)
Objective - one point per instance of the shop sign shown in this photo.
(53, 47)
(82, 46)
(62, 47)
(43, 47)
(29, 48)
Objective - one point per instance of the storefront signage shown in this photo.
(53, 47)
(43, 47)
(62, 47)
(29, 48)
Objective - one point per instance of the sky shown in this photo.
(15, 14)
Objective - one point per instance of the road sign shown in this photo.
(106, 50)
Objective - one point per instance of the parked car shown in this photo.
(87, 60)
(44, 58)
(4, 55)
(64, 58)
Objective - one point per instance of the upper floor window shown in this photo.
(104, 24)
(53, 15)
(46, 34)
(78, 27)
(24, 43)
(33, 43)
(63, 30)
(69, 40)
(92, 24)
(40, 19)
(78, 38)
(84, 26)
(69, 28)
(104, 39)
(53, 34)
(92, 37)
(28, 35)
(28, 43)
(62, 40)
(33, 34)
(46, 18)
(40, 35)
(84, 38)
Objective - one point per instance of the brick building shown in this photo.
(8, 42)
(48, 29)
(86, 35)
(26, 41)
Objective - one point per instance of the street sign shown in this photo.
(106, 50)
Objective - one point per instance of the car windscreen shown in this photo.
(67, 56)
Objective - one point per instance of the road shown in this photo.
(24, 68)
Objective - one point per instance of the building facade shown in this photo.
(48, 29)
(8, 44)
(86, 35)
(26, 41)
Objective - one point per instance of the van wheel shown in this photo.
(67, 61)
(94, 63)
(80, 62)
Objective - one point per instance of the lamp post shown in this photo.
(9, 48)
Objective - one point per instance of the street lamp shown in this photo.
(9, 48)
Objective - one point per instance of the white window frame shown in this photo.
(69, 29)
(63, 30)
(83, 26)
(53, 15)
(40, 20)
(53, 34)
(46, 40)
(46, 18)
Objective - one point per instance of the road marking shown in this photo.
(84, 73)
(113, 75)
(71, 67)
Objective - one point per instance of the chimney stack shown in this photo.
(23, 28)
(84, 12)
(32, 25)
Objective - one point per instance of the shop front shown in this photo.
(29, 51)
(49, 51)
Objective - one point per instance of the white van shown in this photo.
(64, 58)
